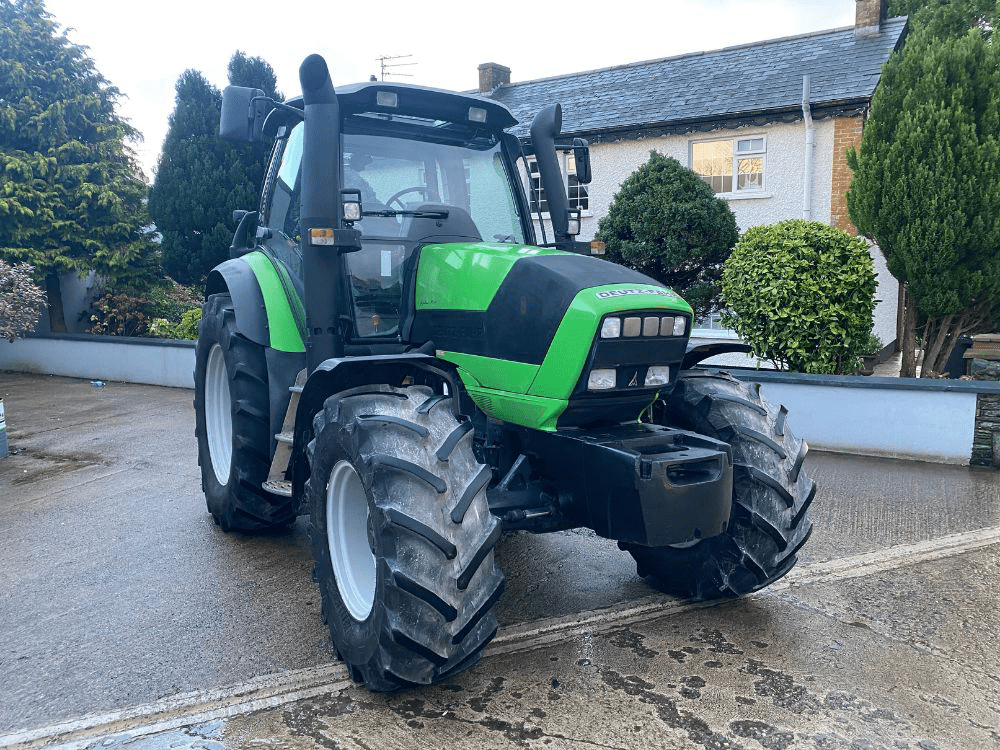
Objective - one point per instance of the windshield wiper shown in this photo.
(390, 213)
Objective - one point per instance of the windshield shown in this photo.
(419, 182)
(412, 192)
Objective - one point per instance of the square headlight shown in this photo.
(601, 380)
(680, 325)
(658, 375)
(611, 328)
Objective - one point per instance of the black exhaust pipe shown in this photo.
(545, 129)
(325, 272)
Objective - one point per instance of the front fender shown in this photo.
(336, 375)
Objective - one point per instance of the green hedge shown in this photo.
(801, 294)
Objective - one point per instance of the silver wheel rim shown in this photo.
(218, 415)
(347, 537)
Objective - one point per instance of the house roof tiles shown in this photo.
(749, 83)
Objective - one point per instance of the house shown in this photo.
(767, 125)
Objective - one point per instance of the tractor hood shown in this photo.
(523, 321)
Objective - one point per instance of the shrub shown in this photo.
(21, 301)
(801, 294)
(186, 329)
(119, 314)
(666, 222)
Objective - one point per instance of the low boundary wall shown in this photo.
(949, 421)
(117, 358)
(929, 420)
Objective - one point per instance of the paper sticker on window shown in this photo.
(387, 263)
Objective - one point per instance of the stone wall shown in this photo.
(986, 439)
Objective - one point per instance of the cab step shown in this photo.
(277, 482)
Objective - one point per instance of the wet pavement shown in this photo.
(128, 619)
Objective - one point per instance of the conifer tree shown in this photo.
(71, 190)
(947, 18)
(925, 184)
(666, 222)
(201, 179)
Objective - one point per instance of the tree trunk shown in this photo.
(57, 319)
(908, 364)
(937, 345)
(973, 319)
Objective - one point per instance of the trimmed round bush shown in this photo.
(801, 294)
(666, 222)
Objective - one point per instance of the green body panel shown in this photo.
(568, 352)
(467, 275)
(527, 411)
(525, 394)
(496, 374)
(284, 333)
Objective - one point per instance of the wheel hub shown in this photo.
(347, 535)
(218, 415)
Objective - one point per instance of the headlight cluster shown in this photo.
(606, 378)
(631, 373)
(634, 326)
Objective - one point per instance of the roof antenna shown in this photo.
(384, 61)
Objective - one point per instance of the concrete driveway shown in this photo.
(128, 618)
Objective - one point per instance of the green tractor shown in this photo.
(392, 352)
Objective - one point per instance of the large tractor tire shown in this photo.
(771, 493)
(402, 536)
(232, 424)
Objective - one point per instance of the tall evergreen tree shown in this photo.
(947, 18)
(71, 190)
(925, 183)
(200, 178)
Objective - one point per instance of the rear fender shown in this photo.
(264, 311)
(237, 279)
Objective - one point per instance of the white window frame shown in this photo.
(756, 153)
(564, 162)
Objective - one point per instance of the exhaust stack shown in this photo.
(325, 272)
(544, 130)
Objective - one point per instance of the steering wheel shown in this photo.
(415, 189)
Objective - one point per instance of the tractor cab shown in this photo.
(407, 181)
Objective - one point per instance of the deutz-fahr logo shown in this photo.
(630, 292)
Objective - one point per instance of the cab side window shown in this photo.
(283, 212)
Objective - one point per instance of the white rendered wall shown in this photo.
(782, 197)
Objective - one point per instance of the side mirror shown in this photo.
(243, 239)
(581, 154)
(243, 113)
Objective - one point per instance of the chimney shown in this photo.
(492, 75)
(868, 16)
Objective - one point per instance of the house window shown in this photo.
(731, 166)
(577, 193)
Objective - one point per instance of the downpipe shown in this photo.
(807, 160)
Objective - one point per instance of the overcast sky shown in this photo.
(142, 51)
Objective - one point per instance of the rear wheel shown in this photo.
(232, 424)
(771, 493)
(402, 536)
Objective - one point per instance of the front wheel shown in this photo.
(771, 493)
(402, 536)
